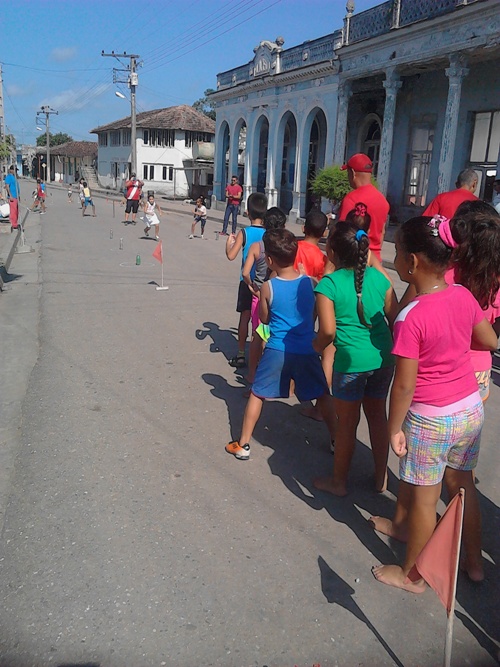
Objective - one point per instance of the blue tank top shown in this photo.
(252, 234)
(291, 315)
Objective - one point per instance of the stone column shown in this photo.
(456, 73)
(344, 94)
(392, 84)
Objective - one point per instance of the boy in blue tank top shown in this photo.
(256, 207)
(287, 304)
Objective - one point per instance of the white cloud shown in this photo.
(15, 90)
(63, 54)
(74, 99)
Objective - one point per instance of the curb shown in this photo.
(5, 263)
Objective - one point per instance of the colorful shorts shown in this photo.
(355, 386)
(436, 442)
(277, 369)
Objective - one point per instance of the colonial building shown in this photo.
(68, 162)
(412, 83)
(174, 151)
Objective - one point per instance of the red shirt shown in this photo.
(447, 203)
(134, 188)
(234, 191)
(377, 208)
(312, 258)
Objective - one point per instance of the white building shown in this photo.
(173, 158)
(412, 83)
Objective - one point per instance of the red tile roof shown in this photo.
(182, 117)
(72, 149)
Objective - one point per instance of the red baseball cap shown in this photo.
(359, 162)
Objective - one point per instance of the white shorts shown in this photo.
(151, 220)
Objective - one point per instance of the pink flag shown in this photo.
(438, 560)
(158, 253)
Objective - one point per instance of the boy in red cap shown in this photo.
(359, 171)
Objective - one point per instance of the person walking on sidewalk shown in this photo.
(133, 196)
(12, 187)
(234, 193)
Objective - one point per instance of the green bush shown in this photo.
(331, 182)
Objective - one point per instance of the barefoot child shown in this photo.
(436, 414)
(199, 215)
(353, 303)
(287, 305)
(152, 211)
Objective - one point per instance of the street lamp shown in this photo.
(120, 95)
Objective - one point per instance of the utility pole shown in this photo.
(3, 138)
(132, 82)
(47, 111)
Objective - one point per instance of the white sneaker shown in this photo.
(190, 236)
(202, 236)
(157, 238)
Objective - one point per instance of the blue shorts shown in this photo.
(276, 369)
(355, 386)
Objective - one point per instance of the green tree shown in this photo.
(8, 147)
(205, 105)
(55, 139)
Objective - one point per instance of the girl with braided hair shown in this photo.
(356, 304)
(360, 217)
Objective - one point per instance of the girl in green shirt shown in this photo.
(356, 303)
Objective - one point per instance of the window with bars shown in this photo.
(167, 172)
(159, 138)
(190, 137)
(148, 172)
(103, 139)
(115, 138)
(126, 137)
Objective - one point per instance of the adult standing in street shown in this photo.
(133, 196)
(359, 171)
(12, 187)
(234, 193)
(447, 202)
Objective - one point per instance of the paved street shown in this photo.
(130, 538)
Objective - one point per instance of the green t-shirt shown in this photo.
(359, 349)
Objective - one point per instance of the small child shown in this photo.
(256, 207)
(70, 194)
(255, 271)
(287, 304)
(435, 414)
(360, 217)
(311, 260)
(80, 192)
(199, 215)
(353, 303)
(87, 199)
(152, 211)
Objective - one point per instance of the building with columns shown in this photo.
(412, 83)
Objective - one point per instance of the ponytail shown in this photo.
(359, 273)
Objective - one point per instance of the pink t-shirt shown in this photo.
(481, 359)
(436, 329)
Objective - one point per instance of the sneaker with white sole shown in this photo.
(190, 236)
(241, 452)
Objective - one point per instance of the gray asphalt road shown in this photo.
(131, 538)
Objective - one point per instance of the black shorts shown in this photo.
(132, 205)
(244, 298)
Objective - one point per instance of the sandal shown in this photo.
(238, 361)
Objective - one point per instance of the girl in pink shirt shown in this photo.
(436, 413)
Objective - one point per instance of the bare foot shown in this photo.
(474, 571)
(311, 411)
(388, 527)
(327, 484)
(393, 575)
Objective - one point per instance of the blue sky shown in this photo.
(51, 52)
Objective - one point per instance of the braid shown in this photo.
(359, 276)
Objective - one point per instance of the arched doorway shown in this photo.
(316, 155)
(369, 139)
(223, 157)
(258, 155)
(241, 134)
(286, 176)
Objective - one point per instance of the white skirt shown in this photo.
(151, 220)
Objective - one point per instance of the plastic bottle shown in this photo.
(138, 260)
(110, 233)
(121, 244)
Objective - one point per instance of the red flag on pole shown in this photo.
(437, 563)
(158, 253)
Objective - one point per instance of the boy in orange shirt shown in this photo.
(311, 260)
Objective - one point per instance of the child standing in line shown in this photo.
(436, 414)
(199, 215)
(311, 260)
(87, 199)
(256, 207)
(255, 272)
(355, 304)
(152, 211)
(287, 305)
